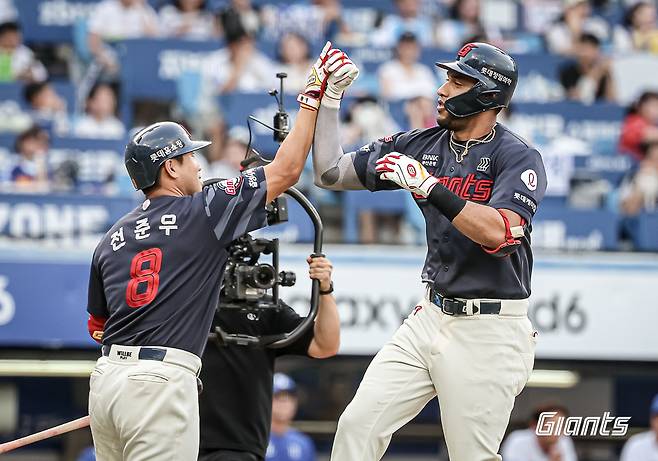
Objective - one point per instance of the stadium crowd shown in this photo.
(76, 89)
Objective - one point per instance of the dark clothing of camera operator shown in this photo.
(236, 404)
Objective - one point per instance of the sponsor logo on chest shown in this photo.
(430, 160)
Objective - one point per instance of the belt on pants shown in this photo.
(144, 353)
(469, 307)
(128, 354)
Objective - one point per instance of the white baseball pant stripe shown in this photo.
(476, 365)
(145, 410)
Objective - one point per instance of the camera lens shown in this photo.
(262, 276)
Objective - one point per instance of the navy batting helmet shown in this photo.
(495, 73)
(152, 146)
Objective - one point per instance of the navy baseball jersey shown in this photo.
(504, 172)
(156, 275)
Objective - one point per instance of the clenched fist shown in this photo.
(406, 172)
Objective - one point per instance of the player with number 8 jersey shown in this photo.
(155, 283)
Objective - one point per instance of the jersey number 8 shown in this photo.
(144, 269)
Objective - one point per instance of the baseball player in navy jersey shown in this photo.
(469, 340)
(156, 275)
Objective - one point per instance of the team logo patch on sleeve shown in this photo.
(529, 178)
(252, 180)
(526, 202)
(230, 186)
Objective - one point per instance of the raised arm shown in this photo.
(288, 163)
(330, 75)
(287, 166)
(334, 169)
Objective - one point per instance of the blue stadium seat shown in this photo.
(354, 202)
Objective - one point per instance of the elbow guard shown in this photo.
(96, 325)
(512, 236)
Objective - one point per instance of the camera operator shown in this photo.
(236, 405)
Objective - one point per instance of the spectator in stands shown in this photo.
(588, 77)
(240, 17)
(99, 120)
(639, 192)
(404, 77)
(465, 25)
(576, 19)
(188, 19)
(420, 112)
(526, 445)
(286, 443)
(17, 61)
(114, 20)
(407, 19)
(30, 171)
(294, 53)
(47, 108)
(233, 152)
(640, 126)
(240, 66)
(644, 446)
(333, 25)
(317, 20)
(639, 31)
(365, 120)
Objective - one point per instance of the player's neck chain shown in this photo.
(455, 145)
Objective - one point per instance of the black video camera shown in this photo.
(247, 281)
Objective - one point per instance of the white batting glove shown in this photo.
(341, 73)
(315, 82)
(406, 172)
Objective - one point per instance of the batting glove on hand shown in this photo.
(315, 82)
(406, 172)
(341, 73)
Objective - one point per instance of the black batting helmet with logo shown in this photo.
(495, 73)
(152, 146)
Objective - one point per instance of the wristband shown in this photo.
(308, 101)
(447, 202)
(330, 290)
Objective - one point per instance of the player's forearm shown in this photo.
(291, 156)
(333, 169)
(482, 224)
(326, 339)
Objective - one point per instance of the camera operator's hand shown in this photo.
(320, 269)
(341, 73)
(316, 80)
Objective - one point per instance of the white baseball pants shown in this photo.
(145, 410)
(476, 365)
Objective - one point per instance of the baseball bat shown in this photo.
(48, 433)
